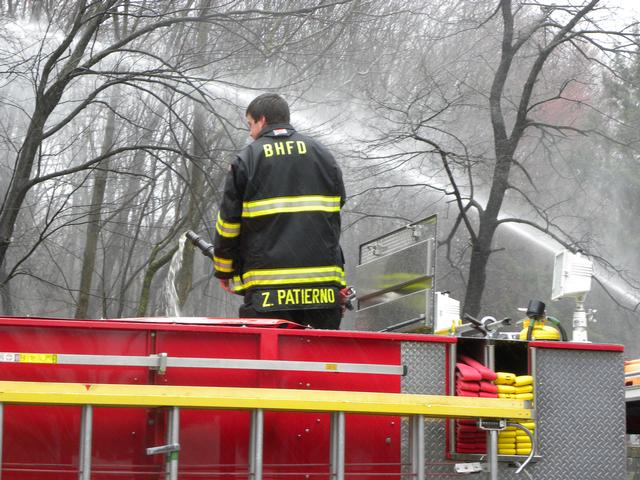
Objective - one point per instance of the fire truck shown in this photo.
(215, 398)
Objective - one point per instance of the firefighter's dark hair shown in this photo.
(272, 107)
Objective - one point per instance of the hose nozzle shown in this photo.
(204, 247)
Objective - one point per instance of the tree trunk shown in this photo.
(94, 217)
(184, 278)
(124, 234)
(17, 190)
(504, 149)
(480, 254)
(125, 280)
(154, 266)
(5, 294)
(487, 225)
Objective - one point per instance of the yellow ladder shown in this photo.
(257, 400)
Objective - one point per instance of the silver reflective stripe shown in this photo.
(227, 229)
(289, 276)
(254, 275)
(303, 203)
(223, 264)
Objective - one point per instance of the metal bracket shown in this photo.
(416, 231)
(397, 326)
(172, 447)
(379, 249)
(474, 467)
(162, 363)
(489, 425)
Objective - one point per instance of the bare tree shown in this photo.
(532, 84)
(89, 49)
(554, 31)
(94, 221)
(199, 146)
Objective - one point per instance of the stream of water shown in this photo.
(624, 295)
(172, 307)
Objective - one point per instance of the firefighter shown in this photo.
(278, 227)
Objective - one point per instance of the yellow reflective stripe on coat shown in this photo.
(302, 203)
(223, 264)
(227, 229)
(289, 276)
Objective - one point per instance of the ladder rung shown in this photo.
(171, 447)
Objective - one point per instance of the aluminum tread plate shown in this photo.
(426, 373)
(580, 408)
(581, 416)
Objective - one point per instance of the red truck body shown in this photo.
(42, 441)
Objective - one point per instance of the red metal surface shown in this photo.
(46, 438)
(42, 442)
(578, 346)
(290, 439)
(228, 322)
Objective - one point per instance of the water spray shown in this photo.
(171, 293)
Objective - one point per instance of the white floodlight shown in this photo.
(447, 312)
(572, 274)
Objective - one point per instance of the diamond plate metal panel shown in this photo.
(581, 416)
(426, 374)
(426, 368)
(579, 405)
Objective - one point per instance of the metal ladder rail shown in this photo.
(173, 439)
(337, 445)
(86, 437)
(256, 443)
(390, 404)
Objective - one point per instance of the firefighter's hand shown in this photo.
(347, 295)
(224, 284)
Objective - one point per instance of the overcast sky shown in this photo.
(633, 6)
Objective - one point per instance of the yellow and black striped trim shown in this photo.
(288, 276)
(302, 203)
(227, 229)
(223, 264)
